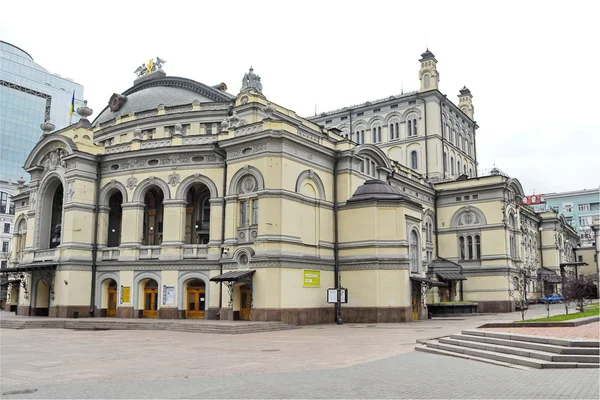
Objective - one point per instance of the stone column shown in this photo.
(174, 212)
(131, 234)
(103, 214)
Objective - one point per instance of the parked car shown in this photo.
(554, 298)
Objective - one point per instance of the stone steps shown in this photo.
(95, 325)
(524, 351)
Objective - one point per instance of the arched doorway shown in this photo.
(150, 299)
(196, 299)
(245, 302)
(42, 298)
(114, 219)
(197, 219)
(111, 307)
(50, 213)
(153, 217)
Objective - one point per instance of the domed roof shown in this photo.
(376, 189)
(427, 55)
(166, 91)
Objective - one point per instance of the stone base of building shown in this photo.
(13, 308)
(371, 315)
(69, 311)
(124, 312)
(168, 313)
(500, 306)
(22, 310)
(295, 316)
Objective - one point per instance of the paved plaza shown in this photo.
(321, 361)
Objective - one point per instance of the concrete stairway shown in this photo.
(98, 324)
(524, 351)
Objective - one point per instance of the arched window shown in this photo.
(465, 169)
(414, 162)
(114, 219)
(391, 126)
(470, 247)
(414, 124)
(477, 247)
(461, 247)
(153, 217)
(376, 134)
(409, 127)
(56, 218)
(451, 133)
(445, 163)
(451, 165)
(427, 80)
(414, 251)
(457, 167)
(470, 172)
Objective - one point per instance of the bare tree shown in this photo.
(578, 289)
(518, 286)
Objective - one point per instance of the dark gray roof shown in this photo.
(168, 91)
(427, 55)
(464, 91)
(233, 276)
(376, 189)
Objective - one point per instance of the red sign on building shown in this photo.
(534, 199)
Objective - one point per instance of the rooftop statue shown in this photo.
(251, 81)
(153, 65)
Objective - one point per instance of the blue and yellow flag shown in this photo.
(72, 104)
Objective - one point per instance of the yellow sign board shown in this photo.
(312, 278)
(125, 294)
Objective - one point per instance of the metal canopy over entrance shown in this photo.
(451, 276)
(234, 276)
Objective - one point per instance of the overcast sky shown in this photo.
(531, 66)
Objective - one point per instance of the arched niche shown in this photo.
(310, 176)
(468, 216)
(239, 185)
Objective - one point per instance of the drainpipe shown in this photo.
(224, 155)
(95, 243)
(475, 150)
(336, 267)
(444, 161)
(426, 149)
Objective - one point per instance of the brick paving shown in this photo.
(587, 331)
(322, 361)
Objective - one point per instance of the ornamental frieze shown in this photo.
(154, 161)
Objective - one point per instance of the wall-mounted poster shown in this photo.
(168, 295)
(312, 278)
(125, 294)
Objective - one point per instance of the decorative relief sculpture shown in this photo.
(248, 184)
(131, 182)
(251, 81)
(174, 179)
(55, 159)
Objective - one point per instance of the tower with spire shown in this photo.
(465, 102)
(428, 74)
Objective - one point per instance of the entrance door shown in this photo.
(196, 302)
(112, 302)
(151, 299)
(416, 301)
(246, 302)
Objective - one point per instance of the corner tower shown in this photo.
(465, 102)
(428, 74)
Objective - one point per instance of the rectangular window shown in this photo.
(459, 198)
(394, 106)
(377, 110)
(580, 258)
(4, 247)
(254, 212)
(328, 121)
(475, 196)
(467, 197)
(585, 221)
(360, 114)
(6, 227)
(344, 118)
(568, 208)
(584, 207)
(3, 202)
(208, 129)
(243, 213)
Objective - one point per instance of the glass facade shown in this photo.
(28, 95)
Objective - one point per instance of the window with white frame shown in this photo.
(414, 251)
(414, 160)
(376, 132)
(568, 208)
(412, 127)
(469, 247)
(394, 130)
(585, 221)
(360, 136)
(584, 207)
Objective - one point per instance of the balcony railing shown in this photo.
(111, 253)
(44, 255)
(149, 252)
(195, 251)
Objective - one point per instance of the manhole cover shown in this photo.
(270, 350)
(22, 391)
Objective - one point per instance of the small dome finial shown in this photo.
(84, 111)
(47, 127)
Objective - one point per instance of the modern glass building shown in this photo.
(29, 95)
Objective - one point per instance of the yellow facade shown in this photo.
(215, 206)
